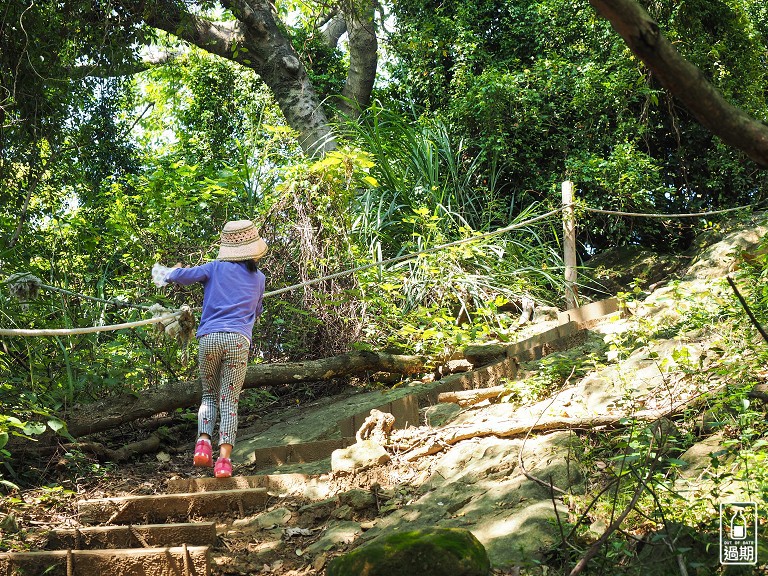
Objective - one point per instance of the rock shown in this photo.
(716, 259)
(618, 269)
(427, 552)
(276, 517)
(358, 457)
(441, 414)
(343, 512)
(337, 533)
(545, 313)
(759, 391)
(512, 516)
(319, 562)
(456, 366)
(317, 511)
(698, 457)
(377, 427)
(357, 499)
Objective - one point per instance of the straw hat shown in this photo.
(241, 241)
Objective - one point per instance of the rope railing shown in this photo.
(85, 330)
(566, 207)
(401, 258)
(110, 301)
(650, 215)
(569, 233)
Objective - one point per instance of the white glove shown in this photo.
(160, 275)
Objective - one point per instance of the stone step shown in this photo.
(161, 507)
(308, 486)
(133, 536)
(173, 561)
(591, 313)
(300, 453)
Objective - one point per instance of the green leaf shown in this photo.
(33, 428)
(8, 484)
(56, 424)
(13, 421)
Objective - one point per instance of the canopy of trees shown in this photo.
(130, 131)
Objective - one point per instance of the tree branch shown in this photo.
(684, 80)
(215, 37)
(333, 28)
(363, 61)
(595, 548)
(256, 41)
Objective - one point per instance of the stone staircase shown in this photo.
(157, 535)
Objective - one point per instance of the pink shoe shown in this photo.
(203, 454)
(223, 468)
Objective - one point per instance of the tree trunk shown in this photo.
(256, 41)
(684, 80)
(363, 62)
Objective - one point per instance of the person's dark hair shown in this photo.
(252, 265)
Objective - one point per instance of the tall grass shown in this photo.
(432, 190)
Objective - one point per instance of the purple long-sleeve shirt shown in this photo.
(232, 296)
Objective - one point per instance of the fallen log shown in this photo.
(114, 411)
(152, 443)
(148, 445)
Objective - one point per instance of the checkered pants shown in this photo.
(223, 359)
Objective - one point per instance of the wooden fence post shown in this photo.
(569, 245)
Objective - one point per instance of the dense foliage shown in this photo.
(549, 90)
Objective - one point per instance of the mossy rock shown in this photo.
(427, 552)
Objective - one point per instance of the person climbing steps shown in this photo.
(233, 292)
(203, 458)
